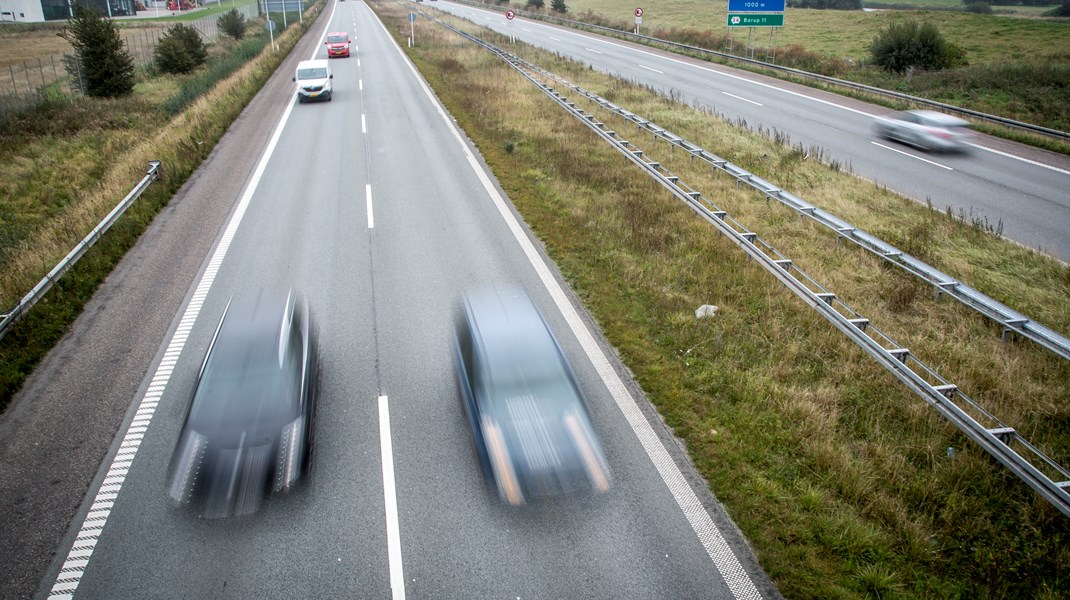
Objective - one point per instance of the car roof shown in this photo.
(246, 378)
(313, 64)
(516, 343)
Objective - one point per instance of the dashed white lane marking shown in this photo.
(1025, 160)
(77, 562)
(913, 156)
(650, 69)
(393, 531)
(592, 50)
(363, 124)
(731, 570)
(743, 99)
(360, 84)
(368, 202)
(554, 39)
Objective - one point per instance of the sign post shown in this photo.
(412, 29)
(638, 19)
(509, 14)
(755, 13)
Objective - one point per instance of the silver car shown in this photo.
(926, 130)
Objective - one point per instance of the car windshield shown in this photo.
(312, 73)
(336, 39)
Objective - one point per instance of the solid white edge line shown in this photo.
(724, 559)
(368, 203)
(393, 531)
(91, 529)
(912, 156)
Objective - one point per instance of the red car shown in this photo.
(337, 44)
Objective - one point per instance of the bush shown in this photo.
(1063, 10)
(180, 50)
(827, 4)
(107, 69)
(907, 45)
(979, 7)
(559, 6)
(232, 23)
(536, 4)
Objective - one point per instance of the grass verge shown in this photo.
(846, 485)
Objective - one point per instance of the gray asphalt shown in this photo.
(1030, 201)
(383, 299)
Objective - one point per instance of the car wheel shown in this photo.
(300, 99)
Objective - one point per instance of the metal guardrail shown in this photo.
(8, 319)
(948, 108)
(994, 436)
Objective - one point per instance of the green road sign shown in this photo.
(755, 19)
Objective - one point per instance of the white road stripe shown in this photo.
(92, 525)
(555, 39)
(591, 50)
(913, 156)
(650, 69)
(724, 559)
(393, 532)
(363, 124)
(742, 98)
(368, 202)
(360, 84)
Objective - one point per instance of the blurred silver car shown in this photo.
(249, 429)
(926, 130)
(532, 430)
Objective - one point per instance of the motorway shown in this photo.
(1025, 189)
(323, 197)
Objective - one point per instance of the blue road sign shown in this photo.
(764, 6)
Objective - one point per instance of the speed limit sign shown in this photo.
(639, 13)
(509, 14)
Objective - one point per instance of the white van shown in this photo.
(313, 79)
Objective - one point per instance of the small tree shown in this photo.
(180, 50)
(232, 23)
(907, 45)
(558, 6)
(106, 66)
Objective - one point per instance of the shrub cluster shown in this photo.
(558, 6)
(180, 50)
(827, 4)
(232, 23)
(908, 45)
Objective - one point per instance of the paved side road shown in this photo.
(61, 424)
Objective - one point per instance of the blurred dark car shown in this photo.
(532, 430)
(926, 130)
(249, 429)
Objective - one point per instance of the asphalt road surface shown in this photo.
(374, 207)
